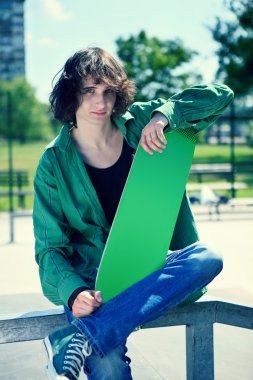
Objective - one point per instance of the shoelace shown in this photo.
(78, 349)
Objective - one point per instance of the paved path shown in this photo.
(156, 354)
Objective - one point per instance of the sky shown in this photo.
(55, 29)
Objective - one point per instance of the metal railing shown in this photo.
(198, 318)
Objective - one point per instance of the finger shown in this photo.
(145, 146)
(82, 311)
(161, 136)
(152, 145)
(84, 306)
(98, 296)
(155, 140)
(87, 298)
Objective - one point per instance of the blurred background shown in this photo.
(164, 47)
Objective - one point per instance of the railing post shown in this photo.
(199, 352)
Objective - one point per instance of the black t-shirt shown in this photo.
(109, 182)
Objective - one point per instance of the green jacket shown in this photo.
(70, 226)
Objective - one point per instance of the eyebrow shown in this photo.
(88, 87)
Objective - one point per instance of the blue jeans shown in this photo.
(184, 272)
(113, 366)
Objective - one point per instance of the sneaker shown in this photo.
(66, 349)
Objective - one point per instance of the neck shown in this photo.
(93, 136)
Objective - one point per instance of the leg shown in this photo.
(190, 269)
(114, 366)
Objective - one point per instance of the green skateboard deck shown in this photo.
(146, 216)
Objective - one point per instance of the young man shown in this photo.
(78, 184)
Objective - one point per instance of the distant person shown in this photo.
(78, 184)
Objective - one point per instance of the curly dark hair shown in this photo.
(102, 67)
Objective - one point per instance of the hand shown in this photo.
(152, 137)
(86, 303)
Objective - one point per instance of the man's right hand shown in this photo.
(86, 303)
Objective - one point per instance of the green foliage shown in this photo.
(156, 66)
(235, 52)
(28, 117)
(250, 134)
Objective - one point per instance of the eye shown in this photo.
(109, 91)
(87, 90)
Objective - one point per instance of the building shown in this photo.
(12, 48)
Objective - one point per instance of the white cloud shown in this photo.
(55, 10)
(47, 42)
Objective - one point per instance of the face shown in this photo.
(96, 102)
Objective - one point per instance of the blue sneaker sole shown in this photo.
(51, 372)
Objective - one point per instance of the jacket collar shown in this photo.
(64, 141)
(121, 122)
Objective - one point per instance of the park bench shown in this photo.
(19, 179)
(216, 186)
(247, 202)
(199, 319)
(221, 170)
(205, 195)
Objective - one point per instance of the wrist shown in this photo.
(161, 118)
(73, 296)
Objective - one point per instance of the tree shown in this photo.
(30, 120)
(235, 52)
(156, 66)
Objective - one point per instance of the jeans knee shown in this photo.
(212, 260)
(217, 261)
(206, 259)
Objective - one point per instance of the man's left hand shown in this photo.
(152, 137)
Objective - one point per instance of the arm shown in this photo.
(198, 106)
(52, 249)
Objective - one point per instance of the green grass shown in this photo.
(24, 157)
(221, 154)
(27, 157)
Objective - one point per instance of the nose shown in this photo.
(100, 100)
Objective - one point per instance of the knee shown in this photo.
(209, 259)
(215, 260)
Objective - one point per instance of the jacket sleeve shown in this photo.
(198, 106)
(51, 231)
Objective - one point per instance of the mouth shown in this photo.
(99, 113)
